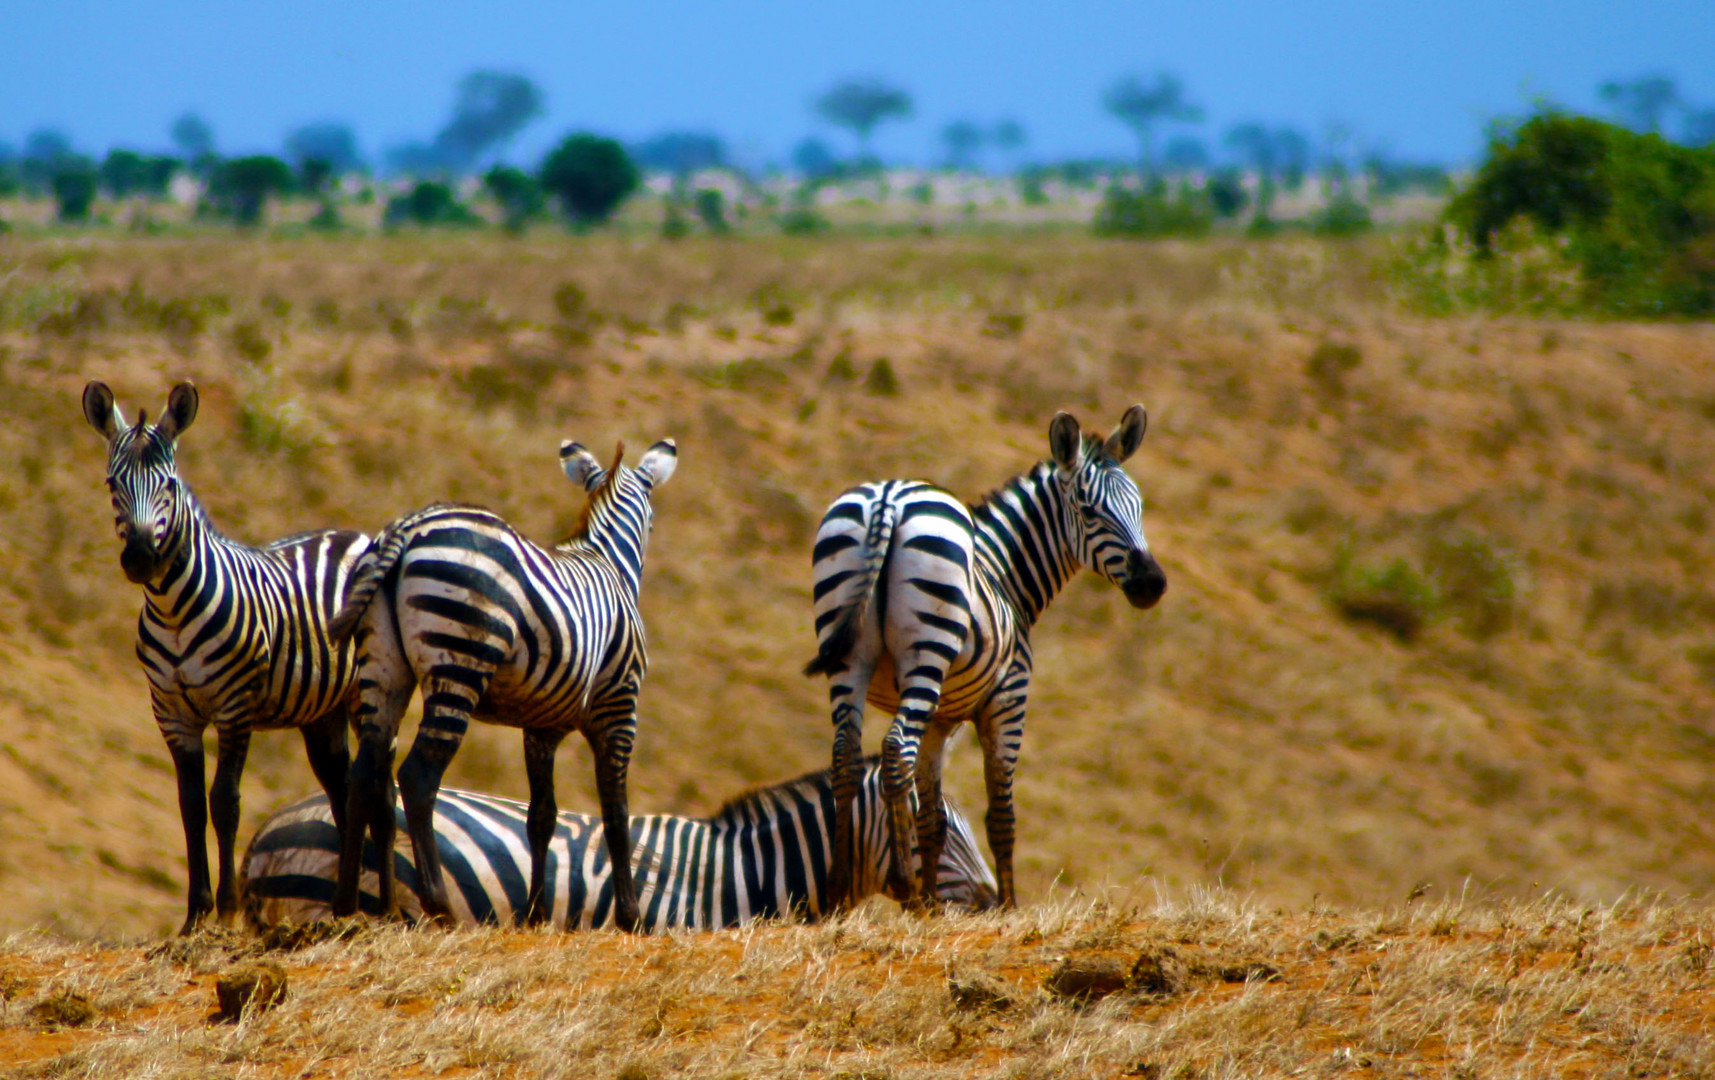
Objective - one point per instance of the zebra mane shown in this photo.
(604, 491)
(1010, 484)
(732, 811)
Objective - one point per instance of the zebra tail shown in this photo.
(366, 578)
(831, 653)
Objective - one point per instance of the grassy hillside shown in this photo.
(1438, 607)
(1200, 988)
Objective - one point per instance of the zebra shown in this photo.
(924, 607)
(762, 855)
(498, 629)
(230, 635)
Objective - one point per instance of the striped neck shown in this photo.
(1026, 537)
(616, 526)
(187, 548)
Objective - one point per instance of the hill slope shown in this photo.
(1545, 725)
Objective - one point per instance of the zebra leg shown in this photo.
(846, 691)
(1000, 729)
(233, 746)
(931, 812)
(419, 786)
(385, 683)
(611, 745)
(330, 760)
(193, 812)
(898, 764)
(540, 746)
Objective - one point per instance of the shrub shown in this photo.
(1394, 597)
(1343, 216)
(239, 188)
(1152, 212)
(1636, 212)
(429, 203)
(710, 206)
(1227, 195)
(1329, 365)
(803, 221)
(517, 193)
(590, 176)
(74, 189)
(673, 223)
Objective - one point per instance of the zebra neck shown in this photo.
(1025, 540)
(618, 530)
(191, 546)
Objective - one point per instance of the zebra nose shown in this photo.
(1144, 581)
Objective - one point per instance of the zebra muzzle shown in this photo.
(138, 558)
(1144, 581)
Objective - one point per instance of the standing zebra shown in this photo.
(762, 855)
(230, 635)
(924, 607)
(497, 629)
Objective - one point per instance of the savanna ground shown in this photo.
(1438, 617)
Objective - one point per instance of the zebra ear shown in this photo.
(658, 462)
(581, 465)
(1125, 440)
(181, 410)
(1065, 441)
(101, 412)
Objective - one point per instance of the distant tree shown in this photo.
(1292, 155)
(1009, 137)
(710, 206)
(45, 150)
(314, 176)
(1698, 127)
(1254, 147)
(240, 187)
(429, 202)
(1142, 105)
(963, 139)
(1226, 194)
(590, 176)
(1185, 153)
(328, 141)
(125, 173)
(194, 139)
(518, 194)
(74, 183)
(681, 152)
(813, 158)
(1640, 103)
(860, 104)
(491, 108)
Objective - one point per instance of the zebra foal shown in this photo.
(230, 635)
(497, 629)
(762, 855)
(924, 607)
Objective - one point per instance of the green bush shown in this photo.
(239, 188)
(518, 194)
(1152, 212)
(1394, 597)
(1343, 216)
(710, 206)
(74, 185)
(1634, 214)
(803, 221)
(429, 203)
(590, 176)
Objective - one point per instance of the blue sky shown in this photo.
(1420, 79)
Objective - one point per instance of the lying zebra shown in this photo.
(761, 855)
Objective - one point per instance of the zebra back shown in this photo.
(761, 855)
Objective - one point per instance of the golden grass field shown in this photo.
(1546, 732)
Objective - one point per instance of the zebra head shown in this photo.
(617, 518)
(142, 476)
(1105, 511)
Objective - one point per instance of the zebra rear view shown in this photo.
(495, 628)
(230, 635)
(762, 855)
(924, 607)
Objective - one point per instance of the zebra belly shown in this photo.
(963, 691)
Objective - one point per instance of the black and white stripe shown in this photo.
(924, 607)
(762, 855)
(230, 636)
(495, 628)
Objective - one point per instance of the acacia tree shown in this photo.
(590, 176)
(1640, 103)
(1141, 106)
(963, 139)
(240, 187)
(860, 105)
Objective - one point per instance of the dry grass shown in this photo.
(1549, 734)
(1543, 988)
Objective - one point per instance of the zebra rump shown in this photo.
(762, 855)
